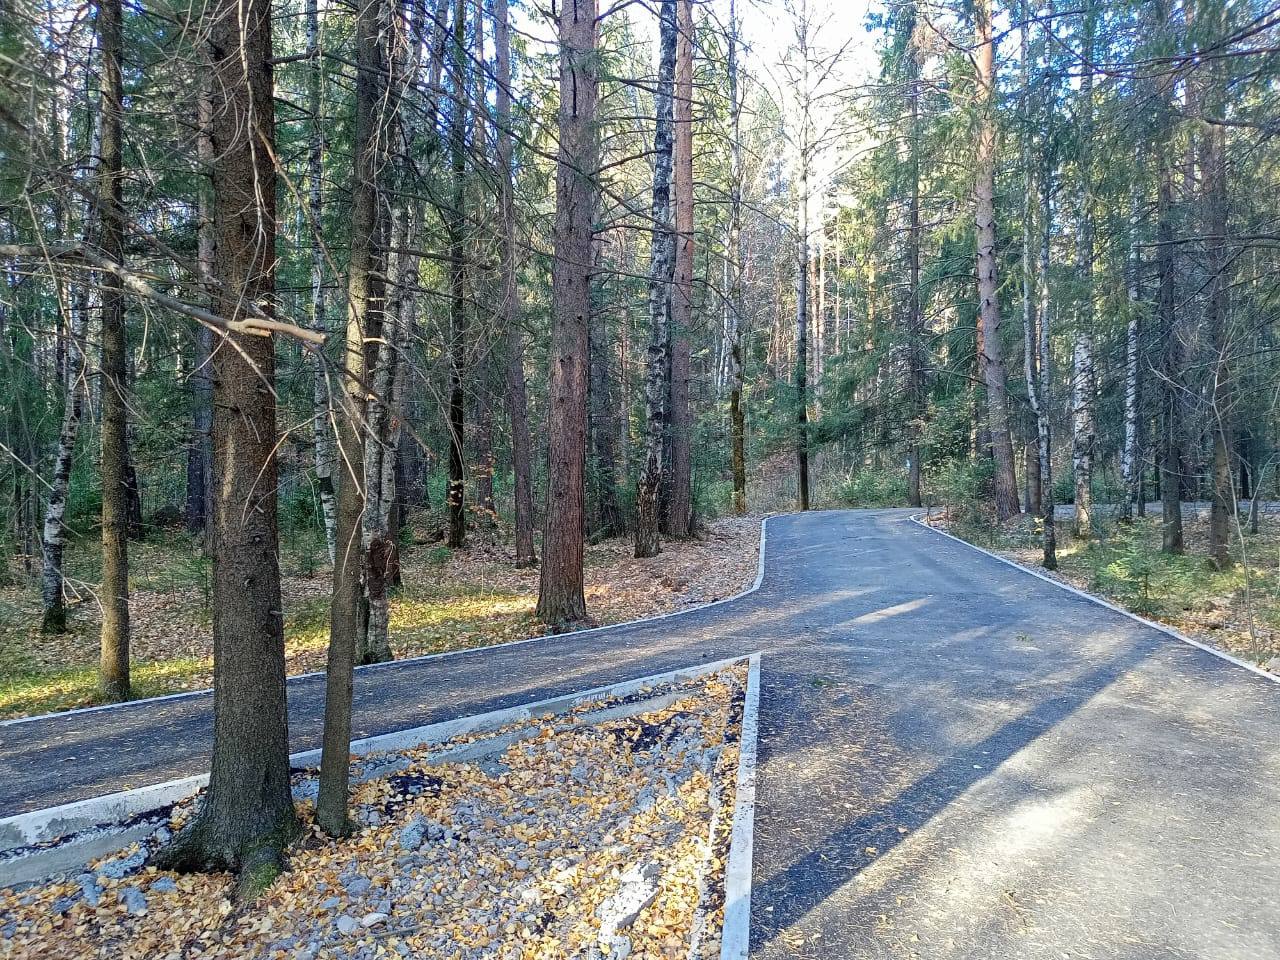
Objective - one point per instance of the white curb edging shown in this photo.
(434, 656)
(735, 935)
(1163, 628)
(98, 825)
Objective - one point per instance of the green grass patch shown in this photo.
(29, 691)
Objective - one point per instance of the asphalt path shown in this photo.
(956, 759)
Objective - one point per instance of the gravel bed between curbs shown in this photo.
(586, 834)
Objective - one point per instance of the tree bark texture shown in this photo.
(247, 815)
(661, 272)
(560, 596)
(679, 500)
(992, 362)
(346, 613)
(114, 660)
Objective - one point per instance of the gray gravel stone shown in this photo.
(134, 901)
(348, 924)
(89, 888)
(121, 867)
(356, 886)
(164, 885)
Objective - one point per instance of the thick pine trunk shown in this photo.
(661, 272)
(560, 596)
(247, 815)
(114, 669)
(199, 452)
(992, 363)
(346, 613)
(679, 500)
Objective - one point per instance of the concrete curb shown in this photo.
(58, 839)
(735, 935)
(1167, 630)
(434, 656)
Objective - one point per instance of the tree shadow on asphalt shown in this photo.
(834, 860)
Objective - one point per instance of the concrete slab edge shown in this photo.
(101, 818)
(735, 935)
(433, 656)
(1162, 628)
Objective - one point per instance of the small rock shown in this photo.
(372, 919)
(89, 888)
(9, 929)
(333, 903)
(356, 886)
(134, 901)
(414, 833)
(164, 885)
(121, 867)
(62, 905)
(347, 924)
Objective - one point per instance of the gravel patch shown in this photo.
(573, 838)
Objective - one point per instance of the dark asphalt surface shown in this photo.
(956, 759)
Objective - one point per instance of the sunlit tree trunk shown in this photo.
(661, 271)
(114, 669)
(560, 596)
(679, 501)
(992, 363)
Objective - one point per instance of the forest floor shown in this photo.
(584, 837)
(450, 600)
(1236, 610)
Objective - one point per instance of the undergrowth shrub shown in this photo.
(871, 487)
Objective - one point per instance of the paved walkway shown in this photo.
(957, 760)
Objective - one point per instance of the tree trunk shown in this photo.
(915, 327)
(199, 450)
(455, 498)
(607, 518)
(992, 363)
(1083, 375)
(737, 419)
(1130, 467)
(517, 402)
(54, 619)
(114, 670)
(661, 272)
(1044, 392)
(345, 619)
(247, 815)
(1171, 364)
(560, 597)
(322, 412)
(1222, 507)
(679, 500)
